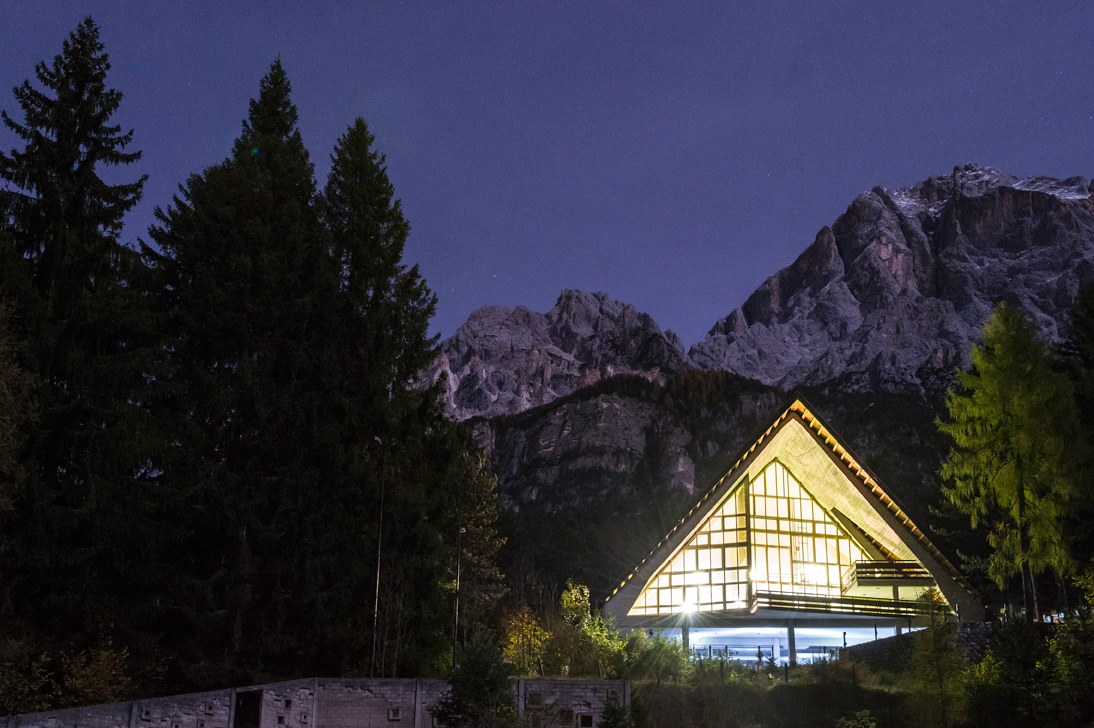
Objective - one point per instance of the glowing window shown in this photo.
(768, 535)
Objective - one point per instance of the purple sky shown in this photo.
(671, 154)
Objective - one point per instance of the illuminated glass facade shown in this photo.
(769, 535)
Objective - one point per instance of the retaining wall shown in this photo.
(333, 703)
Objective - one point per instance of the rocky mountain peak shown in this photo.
(894, 293)
(503, 361)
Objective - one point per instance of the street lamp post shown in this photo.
(379, 544)
(456, 610)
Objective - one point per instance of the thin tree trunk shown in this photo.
(1025, 599)
(1036, 601)
(1029, 596)
(1029, 593)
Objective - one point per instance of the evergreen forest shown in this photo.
(213, 461)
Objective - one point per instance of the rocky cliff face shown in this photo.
(503, 361)
(587, 480)
(893, 294)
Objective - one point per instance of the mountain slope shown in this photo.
(893, 294)
(503, 361)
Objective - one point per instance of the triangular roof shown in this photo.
(847, 492)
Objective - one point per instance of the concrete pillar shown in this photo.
(791, 644)
(685, 638)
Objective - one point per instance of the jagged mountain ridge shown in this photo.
(890, 297)
(894, 293)
(504, 361)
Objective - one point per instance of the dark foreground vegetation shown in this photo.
(214, 468)
(1012, 674)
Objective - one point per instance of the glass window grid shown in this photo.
(796, 549)
(711, 572)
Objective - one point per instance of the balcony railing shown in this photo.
(865, 606)
(886, 573)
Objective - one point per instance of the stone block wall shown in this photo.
(333, 703)
(566, 703)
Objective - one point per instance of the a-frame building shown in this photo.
(796, 535)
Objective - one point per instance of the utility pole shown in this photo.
(379, 545)
(456, 617)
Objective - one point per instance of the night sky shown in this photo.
(670, 154)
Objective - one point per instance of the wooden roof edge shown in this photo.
(824, 435)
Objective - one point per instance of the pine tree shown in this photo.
(67, 218)
(397, 449)
(242, 282)
(81, 540)
(481, 695)
(1011, 467)
(481, 585)
(388, 304)
(1076, 354)
(937, 665)
(1076, 357)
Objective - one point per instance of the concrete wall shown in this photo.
(565, 703)
(332, 703)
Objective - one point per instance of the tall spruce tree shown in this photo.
(1012, 464)
(411, 478)
(80, 542)
(244, 285)
(387, 304)
(394, 489)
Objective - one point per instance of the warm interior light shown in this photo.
(695, 578)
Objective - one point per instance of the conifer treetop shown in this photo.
(271, 118)
(68, 134)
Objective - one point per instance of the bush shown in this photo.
(861, 719)
(481, 696)
(654, 658)
(937, 668)
(26, 685)
(1072, 657)
(1011, 685)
